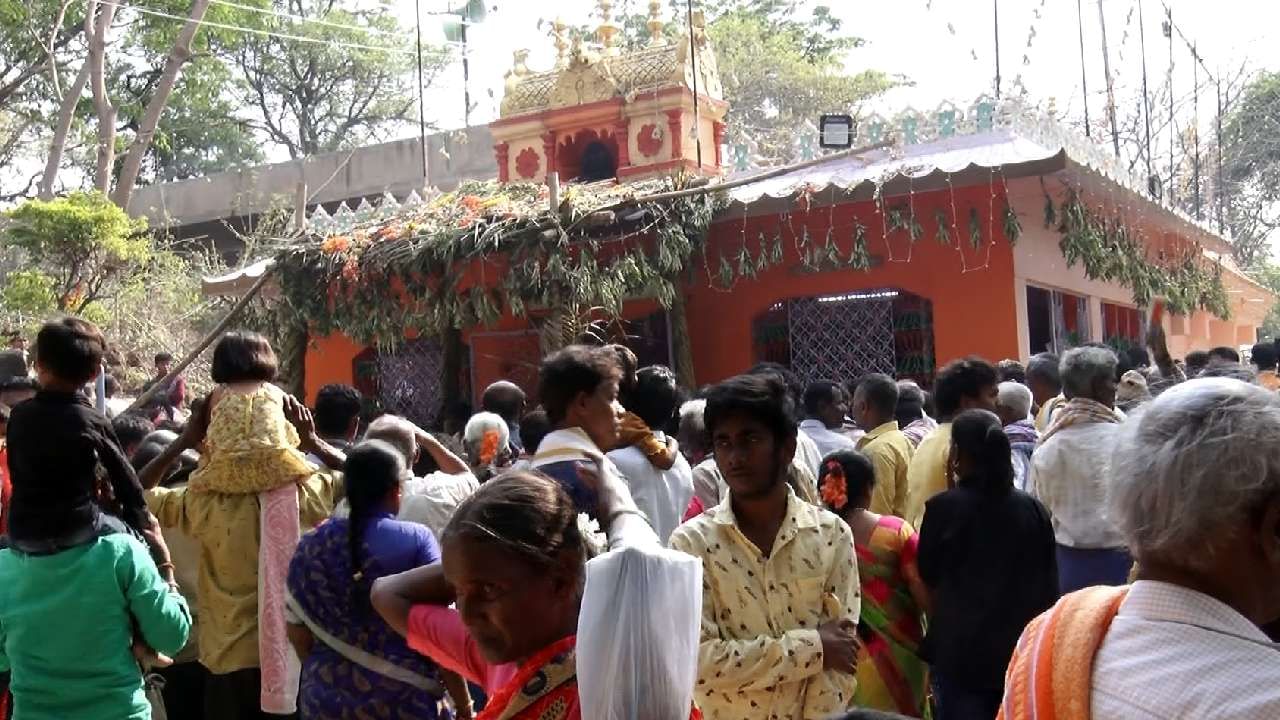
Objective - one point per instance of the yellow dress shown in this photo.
(250, 447)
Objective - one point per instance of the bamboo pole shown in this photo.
(207, 341)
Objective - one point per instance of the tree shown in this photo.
(1251, 169)
(780, 69)
(84, 246)
(340, 88)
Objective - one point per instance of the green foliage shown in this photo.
(1110, 252)
(1251, 169)
(1268, 274)
(314, 97)
(81, 242)
(776, 78)
(27, 296)
(418, 273)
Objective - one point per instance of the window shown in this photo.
(1121, 326)
(1056, 320)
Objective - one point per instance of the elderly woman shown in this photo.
(486, 440)
(1013, 405)
(1196, 493)
(1070, 472)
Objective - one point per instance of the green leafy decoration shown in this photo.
(860, 256)
(1109, 252)
(943, 235)
(975, 229)
(1012, 226)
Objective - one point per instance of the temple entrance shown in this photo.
(843, 337)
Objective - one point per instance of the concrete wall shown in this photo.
(394, 167)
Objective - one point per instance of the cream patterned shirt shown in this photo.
(760, 656)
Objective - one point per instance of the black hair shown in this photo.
(881, 392)
(372, 469)
(819, 393)
(533, 427)
(526, 513)
(504, 400)
(1223, 369)
(1045, 366)
(961, 379)
(1225, 354)
(131, 428)
(859, 476)
(910, 405)
(628, 363)
(979, 436)
(336, 406)
(762, 397)
(1011, 371)
(570, 372)
(1196, 361)
(162, 357)
(4, 413)
(1264, 356)
(1138, 357)
(655, 397)
(110, 386)
(243, 357)
(71, 349)
(789, 379)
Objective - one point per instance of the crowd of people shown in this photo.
(1091, 535)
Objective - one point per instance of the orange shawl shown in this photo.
(1050, 675)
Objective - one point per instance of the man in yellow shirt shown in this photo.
(780, 595)
(875, 405)
(226, 528)
(961, 385)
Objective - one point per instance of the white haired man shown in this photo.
(1013, 405)
(1070, 472)
(1196, 494)
(429, 500)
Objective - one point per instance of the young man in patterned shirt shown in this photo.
(780, 599)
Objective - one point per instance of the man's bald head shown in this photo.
(505, 399)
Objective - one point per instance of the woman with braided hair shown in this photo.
(351, 658)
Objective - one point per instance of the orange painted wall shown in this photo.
(974, 312)
(972, 289)
(329, 361)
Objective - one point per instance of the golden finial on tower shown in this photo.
(558, 34)
(608, 29)
(655, 23)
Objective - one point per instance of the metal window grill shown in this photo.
(836, 338)
(409, 380)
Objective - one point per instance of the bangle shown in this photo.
(163, 565)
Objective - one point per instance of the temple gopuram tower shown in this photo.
(605, 112)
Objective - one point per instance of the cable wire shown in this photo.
(264, 33)
(313, 21)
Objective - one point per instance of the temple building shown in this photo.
(980, 229)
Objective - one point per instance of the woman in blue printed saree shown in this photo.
(354, 665)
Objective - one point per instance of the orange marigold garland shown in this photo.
(489, 446)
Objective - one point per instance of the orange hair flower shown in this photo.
(835, 488)
(489, 446)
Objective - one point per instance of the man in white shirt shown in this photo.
(1070, 472)
(1196, 495)
(433, 499)
(663, 495)
(825, 407)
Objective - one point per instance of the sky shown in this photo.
(945, 47)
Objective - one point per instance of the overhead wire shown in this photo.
(264, 33)
(311, 20)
